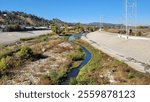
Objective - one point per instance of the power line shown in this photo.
(130, 15)
(101, 23)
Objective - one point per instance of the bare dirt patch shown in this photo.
(50, 58)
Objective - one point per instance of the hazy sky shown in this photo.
(79, 10)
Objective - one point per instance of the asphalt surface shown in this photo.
(134, 51)
(12, 37)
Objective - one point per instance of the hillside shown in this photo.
(106, 24)
(24, 19)
(21, 18)
(20, 21)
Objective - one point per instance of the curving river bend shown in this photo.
(75, 71)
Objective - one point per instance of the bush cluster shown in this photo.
(24, 53)
(3, 64)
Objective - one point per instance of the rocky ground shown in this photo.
(53, 57)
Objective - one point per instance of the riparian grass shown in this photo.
(96, 71)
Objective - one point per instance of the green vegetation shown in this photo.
(24, 53)
(40, 38)
(131, 75)
(20, 21)
(55, 29)
(13, 59)
(74, 60)
(3, 64)
(73, 81)
(93, 64)
(76, 56)
(56, 76)
(8, 52)
(68, 29)
(26, 39)
(15, 56)
(31, 51)
(101, 66)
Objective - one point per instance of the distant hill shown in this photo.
(60, 23)
(106, 24)
(21, 18)
(24, 19)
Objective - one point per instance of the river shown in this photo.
(75, 71)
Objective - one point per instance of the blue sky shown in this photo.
(84, 11)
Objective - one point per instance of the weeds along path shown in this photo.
(135, 52)
(104, 70)
(30, 73)
(52, 58)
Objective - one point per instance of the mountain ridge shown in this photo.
(24, 19)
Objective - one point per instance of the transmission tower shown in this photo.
(130, 15)
(101, 23)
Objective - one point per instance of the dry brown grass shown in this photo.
(112, 30)
(44, 81)
(145, 32)
(122, 74)
(37, 48)
(48, 65)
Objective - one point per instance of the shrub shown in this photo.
(3, 64)
(62, 73)
(139, 34)
(73, 81)
(56, 76)
(26, 39)
(85, 80)
(42, 38)
(77, 56)
(24, 53)
(45, 38)
(53, 77)
(78, 48)
(131, 75)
